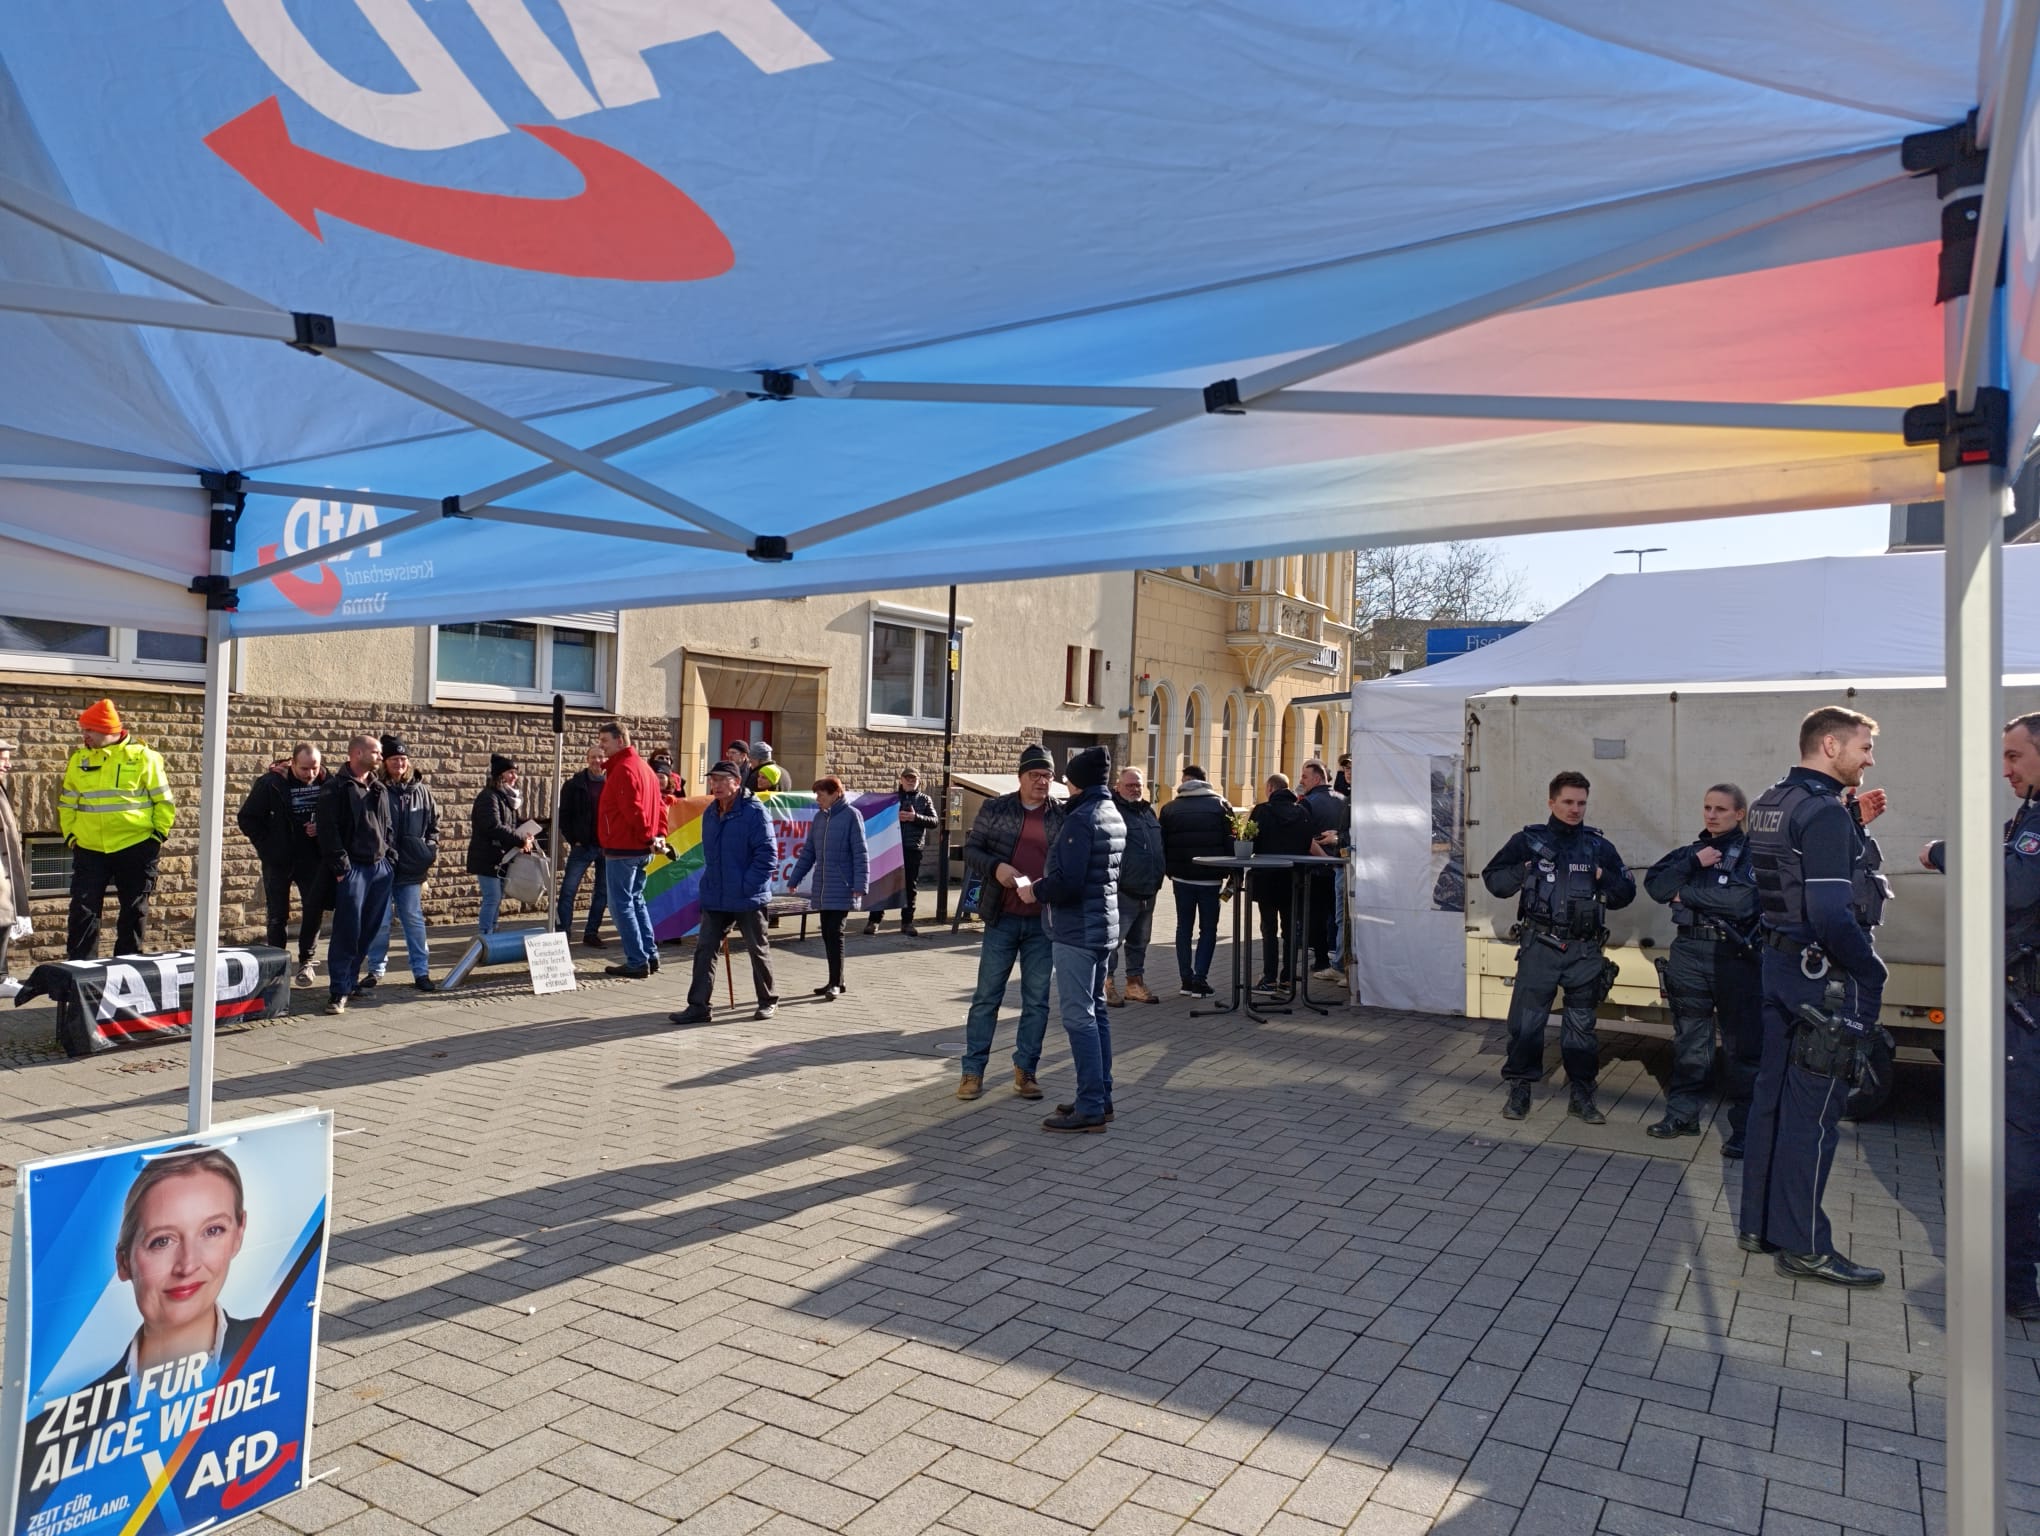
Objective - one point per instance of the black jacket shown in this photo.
(913, 832)
(1282, 824)
(1145, 862)
(578, 798)
(414, 828)
(354, 824)
(1725, 895)
(273, 816)
(1196, 824)
(492, 831)
(1079, 888)
(1565, 889)
(991, 842)
(1329, 812)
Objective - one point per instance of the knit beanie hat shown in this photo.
(1089, 768)
(1033, 756)
(499, 765)
(101, 717)
(393, 746)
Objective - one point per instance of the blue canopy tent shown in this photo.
(323, 315)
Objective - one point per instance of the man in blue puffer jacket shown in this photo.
(738, 855)
(1079, 890)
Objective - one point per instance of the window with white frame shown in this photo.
(908, 676)
(527, 661)
(1225, 744)
(49, 865)
(1158, 712)
(106, 650)
(1192, 723)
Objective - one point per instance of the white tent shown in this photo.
(1851, 616)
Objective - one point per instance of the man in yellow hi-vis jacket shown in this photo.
(115, 811)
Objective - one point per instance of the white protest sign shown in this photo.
(552, 967)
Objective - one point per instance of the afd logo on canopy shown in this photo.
(322, 589)
(627, 222)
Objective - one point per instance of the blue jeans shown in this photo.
(492, 902)
(627, 909)
(1196, 907)
(409, 902)
(1009, 939)
(1136, 923)
(361, 904)
(1080, 988)
(581, 858)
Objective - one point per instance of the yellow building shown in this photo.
(1223, 657)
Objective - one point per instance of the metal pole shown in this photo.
(552, 893)
(1974, 1077)
(948, 759)
(212, 819)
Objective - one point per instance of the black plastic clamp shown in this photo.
(228, 503)
(449, 506)
(314, 332)
(775, 384)
(1951, 153)
(1983, 435)
(770, 549)
(221, 595)
(1223, 398)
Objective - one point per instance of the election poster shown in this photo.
(161, 1330)
(673, 885)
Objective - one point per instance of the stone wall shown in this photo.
(450, 746)
(872, 760)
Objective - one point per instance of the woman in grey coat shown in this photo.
(835, 851)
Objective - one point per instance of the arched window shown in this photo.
(1191, 723)
(1317, 735)
(1158, 712)
(1256, 721)
(1225, 747)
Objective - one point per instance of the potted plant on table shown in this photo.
(1244, 831)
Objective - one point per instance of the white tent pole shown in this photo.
(644, 532)
(651, 432)
(113, 560)
(1988, 63)
(1858, 174)
(212, 818)
(1872, 420)
(1972, 350)
(60, 218)
(337, 547)
(409, 382)
(74, 474)
(144, 309)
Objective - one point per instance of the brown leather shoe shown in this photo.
(971, 1086)
(1113, 997)
(1137, 992)
(1024, 1085)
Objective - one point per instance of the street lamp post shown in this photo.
(1655, 549)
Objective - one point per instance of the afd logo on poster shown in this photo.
(338, 584)
(628, 221)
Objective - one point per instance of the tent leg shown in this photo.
(212, 815)
(1975, 1166)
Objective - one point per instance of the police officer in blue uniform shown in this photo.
(2022, 1017)
(1712, 971)
(1820, 895)
(1564, 874)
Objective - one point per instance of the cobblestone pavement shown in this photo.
(594, 1275)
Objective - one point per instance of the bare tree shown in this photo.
(1459, 583)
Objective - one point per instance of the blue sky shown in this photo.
(1559, 566)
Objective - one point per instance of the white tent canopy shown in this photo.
(1845, 617)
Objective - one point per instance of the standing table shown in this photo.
(1242, 956)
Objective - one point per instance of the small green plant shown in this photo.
(1244, 827)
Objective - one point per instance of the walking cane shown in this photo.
(552, 894)
(729, 975)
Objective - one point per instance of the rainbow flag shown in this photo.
(673, 886)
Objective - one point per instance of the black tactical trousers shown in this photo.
(1795, 1117)
(1540, 971)
(1710, 980)
(131, 871)
(2022, 1152)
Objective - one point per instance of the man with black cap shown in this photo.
(1008, 851)
(738, 855)
(1080, 889)
(414, 829)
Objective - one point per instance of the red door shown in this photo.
(727, 725)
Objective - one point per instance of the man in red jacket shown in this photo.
(630, 820)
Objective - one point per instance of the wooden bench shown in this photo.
(777, 907)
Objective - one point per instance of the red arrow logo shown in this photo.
(318, 598)
(627, 221)
(241, 1490)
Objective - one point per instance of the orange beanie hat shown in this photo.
(102, 717)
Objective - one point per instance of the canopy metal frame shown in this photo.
(1974, 565)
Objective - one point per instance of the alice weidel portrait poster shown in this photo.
(163, 1311)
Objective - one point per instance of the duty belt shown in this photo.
(1789, 946)
(2023, 974)
(1698, 929)
(1546, 927)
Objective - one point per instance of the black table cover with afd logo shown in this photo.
(143, 999)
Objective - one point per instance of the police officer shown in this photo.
(1563, 873)
(2022, 1016)
(1820, 895)
(1712, 971)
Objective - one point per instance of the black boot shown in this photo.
(1519, 1102)
(1583, 1105)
